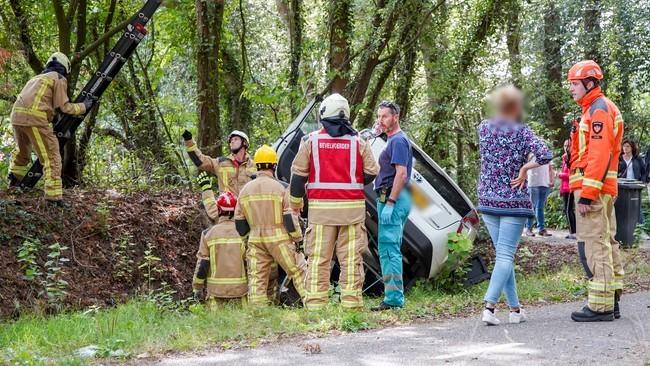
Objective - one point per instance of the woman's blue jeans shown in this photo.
(538, 195)
(505, 232)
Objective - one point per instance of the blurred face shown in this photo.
(627, 149)
(577, 90)
(387, 120)
(236, 142)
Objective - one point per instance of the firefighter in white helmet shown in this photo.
(232, 171)
(31, 118)
(332, 167)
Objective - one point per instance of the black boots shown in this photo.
(13, 181)
(383, 306)
(588, 315)
(617, 309)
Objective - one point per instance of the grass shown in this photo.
(141, 326)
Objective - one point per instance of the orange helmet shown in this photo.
(585, 69)
(227, 202)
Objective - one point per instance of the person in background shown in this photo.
(631, 165)
(646, 179)
(565, 192)
(503, 200)
(540, 183)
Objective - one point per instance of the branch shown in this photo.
(88, 50)
(63, 25)
(71, 11)
(25, 37)
(116, 135)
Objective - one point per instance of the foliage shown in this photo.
(451, 276)
(46, 276)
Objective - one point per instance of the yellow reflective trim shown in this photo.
(296, 200)
(252, 284)
(198, 281)
(46, 82)
(227, 281)
(213, 260)
(31, 112)
(599, 286)
(592, 183)
(337, 204)
(46, 158)
(575, 178)
(192, 148)
(18, 170)
(618, 120)
(611, 175)
(276, 200)
(601, 300)
(314, 259)
(209, 201)
(351, 292)
(224, 241)
(278, 237)
(352, 244)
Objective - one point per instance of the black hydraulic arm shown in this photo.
(66, 125)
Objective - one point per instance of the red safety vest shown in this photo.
(335, 168)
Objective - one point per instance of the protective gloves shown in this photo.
(386, 214)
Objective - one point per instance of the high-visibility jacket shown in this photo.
(40, 98)
(231, 174)
(336, 169)
(225, 253)
(596, 147)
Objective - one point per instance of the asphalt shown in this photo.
(549, 337)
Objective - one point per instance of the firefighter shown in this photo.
(31, 118)
(332, 167)
(263, 214)
(232, 171)
(220, 272)
(595, 150)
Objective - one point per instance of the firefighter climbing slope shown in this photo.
(220, 260)
(31, 118)
(233, 171)
(595, 150)
(263, 214)
(332, 166)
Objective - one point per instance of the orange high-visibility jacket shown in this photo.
(595, 147)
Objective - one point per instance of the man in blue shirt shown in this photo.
(393, 203)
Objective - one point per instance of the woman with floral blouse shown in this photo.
(505, 146)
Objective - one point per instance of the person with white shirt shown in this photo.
(540, 182)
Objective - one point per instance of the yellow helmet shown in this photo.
(60, 58)
(265, 155)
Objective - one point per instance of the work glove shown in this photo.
(187, 135)
(88, 103)
(199, 294)
(386, 214)
(204, 181)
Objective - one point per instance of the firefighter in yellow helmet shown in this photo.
(232, 171)
(31, 118)
(333, 165)
(220, 260)
(263, 214)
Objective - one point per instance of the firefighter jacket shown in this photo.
(595, 147)
(263, 205)
(335, 171)
(231, 174)
(37, 103)
(221, 259)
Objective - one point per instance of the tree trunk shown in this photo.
(513, 40)
(405, 81)
(591, 20)
(553, 91)
(209, 14)
(340, 29)
(237, 105)
(291, 13)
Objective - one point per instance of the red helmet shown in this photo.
(585, 69)
(227, 201)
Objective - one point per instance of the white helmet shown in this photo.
(60, 58)
(335, 106)
(240, 134)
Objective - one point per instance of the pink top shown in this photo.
(564, 176)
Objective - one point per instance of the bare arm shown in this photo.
(399, 182)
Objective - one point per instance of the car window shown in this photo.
(440, 183)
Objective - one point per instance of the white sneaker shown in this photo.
(490, 318)
(516, 318)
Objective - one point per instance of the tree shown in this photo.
(340, 29)
(553, 91)
(209, 16)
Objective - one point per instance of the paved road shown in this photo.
(548, 338)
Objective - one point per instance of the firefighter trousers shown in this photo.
(599, 252)
(390, 249)
(46, 146)
(261, 258)
(348, 242)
